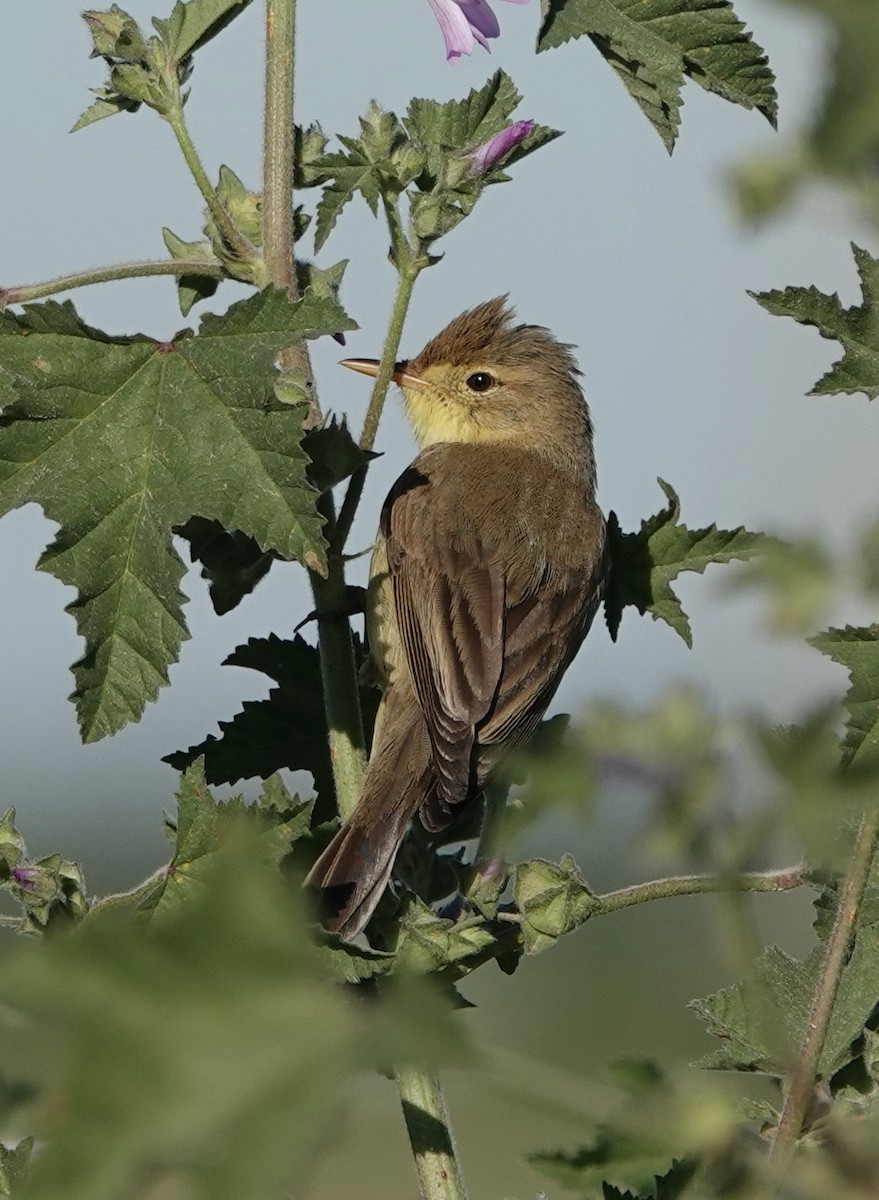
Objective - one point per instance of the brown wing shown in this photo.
(450, 602)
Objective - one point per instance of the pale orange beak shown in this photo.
(369, 366)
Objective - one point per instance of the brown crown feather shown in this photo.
(486, 333)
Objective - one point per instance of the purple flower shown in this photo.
(464, 21)
(483, 157)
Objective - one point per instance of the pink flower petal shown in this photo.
(454, 27)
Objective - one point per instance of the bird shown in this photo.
(489, 565)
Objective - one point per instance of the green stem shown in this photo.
(339, 676)
(408, 273)
(231, 235)
(133, 270)
(509, 937)
(691, 885)
(338, 670)
(430, 1135)
(277, 201)
(801, 1079)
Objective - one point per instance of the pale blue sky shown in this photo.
(634, 257)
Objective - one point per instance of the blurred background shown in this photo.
(636, 258)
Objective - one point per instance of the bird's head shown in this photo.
(486, 379)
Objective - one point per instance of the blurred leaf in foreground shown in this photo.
(206, 1051)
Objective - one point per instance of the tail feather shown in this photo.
(354, 869)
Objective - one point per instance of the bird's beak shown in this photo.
(369, 366)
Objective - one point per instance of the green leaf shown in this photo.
(107, 104)
(653, 44)
(671, 1186)
(856, 328)
(553, 899)
(624, 1159)
(121, 440)
(204, 1053)
(461, 124)
(644, 564)
(760, 1021)
(194, 23)
(191, 288)
(205, 827)
(287, 729)
(350, 173)
(232, 563)
(857, 649)
(334, 454)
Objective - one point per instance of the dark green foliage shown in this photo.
(654, 44)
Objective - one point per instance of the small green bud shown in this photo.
(116, 35)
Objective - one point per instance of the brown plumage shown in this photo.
(485, 578)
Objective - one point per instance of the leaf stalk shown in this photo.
(24, 293)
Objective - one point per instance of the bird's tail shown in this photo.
(353, 871)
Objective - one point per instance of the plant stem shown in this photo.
(277, 202)
(338, 671)
(509, 937)
(133, 270)
(409, 271)
(801, 1079)
(690, 885)
(234, 239)
(430, 1134)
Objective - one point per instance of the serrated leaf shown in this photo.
(194, 23)
(349, 174)
(459, 124)
(761, 1021)
(856, 328)
(225, 1009)
(613, 1159)
(121, 440)
(644, 564)
(107, 104)
(654, 44)
(857, 649)
(671, 1186)
(232, 563)
(204, 828)
(334, 454)
(288, 729)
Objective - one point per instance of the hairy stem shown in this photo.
(410, 266)
(133, 270)
(135, 895)
(801, 1079)
(427, 1123)
(234, 239)
(690, 885)
(508, 939)
(338, 672)
(277, 201)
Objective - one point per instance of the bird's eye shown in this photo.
(480, 381)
